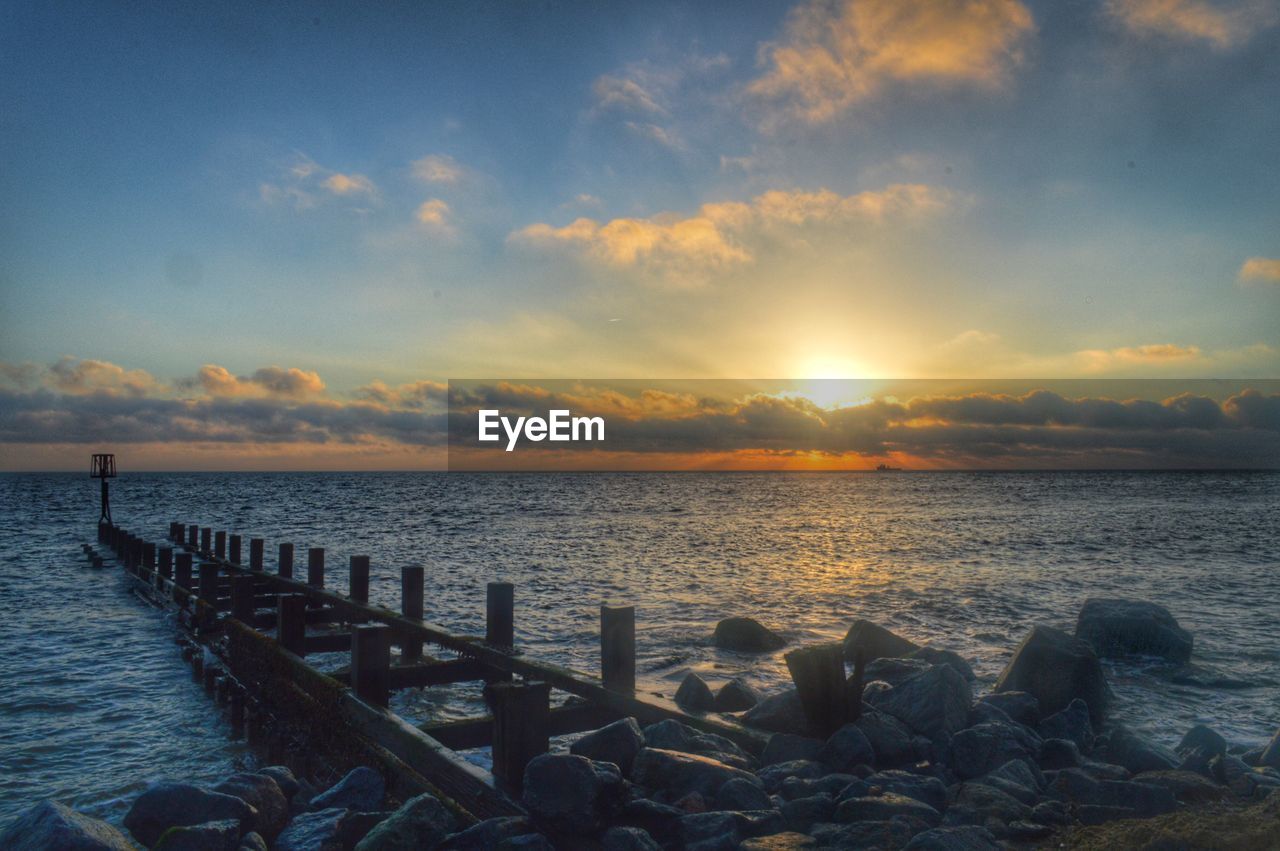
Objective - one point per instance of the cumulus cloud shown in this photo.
(305, 184)
(620, 93)
(349, 184)
(1096, 360)
(837, 54)
(84, 376)
(439, 168)
(436, 217)
(689, 249)
(1222, 25)
(414, 395)
(1261, 269)
(276, 381)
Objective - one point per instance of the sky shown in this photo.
(224, 220)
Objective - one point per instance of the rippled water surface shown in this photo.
(94, 700)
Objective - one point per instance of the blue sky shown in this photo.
(380, 193)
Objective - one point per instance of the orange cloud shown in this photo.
(269, 381)
(75, 376)
(836, 55)
(1096, 360)
(1222, 27)
(1264, 269)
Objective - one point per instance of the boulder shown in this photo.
(924, 788)
(1071, 723)
(1018, 705)
(1187, 786)
(784, 747)
(774, 776)
(1051, 811)
(1059, 753)
(846, 748)
(678, 773)
(739, 794)
(1271, 754)
(885, 807)
(890, 738)
(735, 696)
(875, 642)
(1057, 668)
(802, 814)
(573, 794)
(893, 671)
(1146, 799)
(879, 834)
(628, 839)
(422, 822)
(746, 635)
(164, 805)
(211, 836)
(934, 703)
(694, 695)
(985, 747)
(1072, 786)
(788, 841)
(1136, 753)
(967, 837)
(661, 821)
(49, 824)
(726, 829)
(284, 778)
(988, 800)
(1202, 742)
(982, 712)
(252, 841)
(527, 842)
(939, 656)
(261, 792)
(779, 713)
(1116, 627)
(487, 834)
(318, 830)
(830, 785)
(362, 789)
(618, 743)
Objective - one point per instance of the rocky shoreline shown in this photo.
(920, 762)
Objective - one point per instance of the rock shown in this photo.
(875, 642)
(746, 635)
(422, 822)
(1018, 705)
(1202, 742)
(211, 836)
(789, 841)
(526, 842)
(1051, 812)
(1057, 668)
(1023, 772)
(982, 712)
(741, 794)
(1244, 781)
(1271, 754)
(774, 776)
(802, 814)
(261, 792)
(628, 839)
(892, 670)
(1105, 770)
(694, 695)
(934, 703)
(164, 805)
(882, 834)
(735, 696)
(1071, 723)
(618, 743)
(848, 747)
(1135, 753)
(889, 737)
(988, 800)
(829, 784)
(779, 713)
(727, 829)
(252, 841)
(885, 807)
(487, 834)
(1072, 786)
(924, 788)
(1091, 814)
(1059, 753)
(985, 747)
(962, 838)
(319, 830)
(671, 735)
(1115, 627)
(50, 825)
(362, 789)
(284, 778)
(1186, 786)
(679, 773)
(938, 656)
(660, 821)
(784, 747)
(573, 794)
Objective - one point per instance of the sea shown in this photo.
(95, 701)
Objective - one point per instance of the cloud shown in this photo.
(414, 395)
(1222, 26)
(269, 381)
(836, 55)
(439, 168)
(689, 249)
(660, 135)
(1097, 360)
(1265, 269)
(436, 217)
(305, 184)
(78, 377)
(624, 94)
